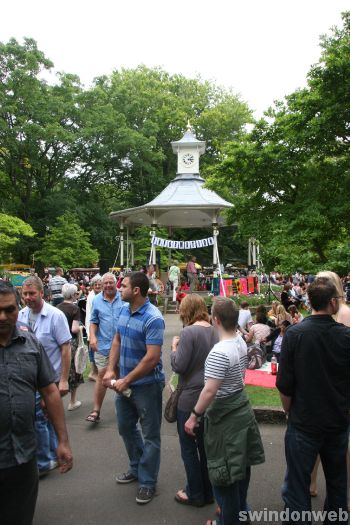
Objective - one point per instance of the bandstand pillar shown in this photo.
(121, 234)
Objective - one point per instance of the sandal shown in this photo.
(181, 497)
(93, 417)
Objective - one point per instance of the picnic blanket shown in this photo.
(261, 377)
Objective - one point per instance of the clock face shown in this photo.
(188, 159)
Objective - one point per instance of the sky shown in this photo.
(262, 49)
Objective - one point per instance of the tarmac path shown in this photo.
(88, 495)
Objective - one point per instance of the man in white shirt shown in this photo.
(245, 319)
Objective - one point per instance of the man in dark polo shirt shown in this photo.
(24, 368)
(314, 384)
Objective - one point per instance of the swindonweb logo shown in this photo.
(266, 516)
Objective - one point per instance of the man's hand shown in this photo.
(107, 378)
(63, 388)
(65, 457)
(121, 385)
(93, 344)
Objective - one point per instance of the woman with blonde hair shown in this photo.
(342, 316)
(189, 352)
(282, 315)
(272, 314)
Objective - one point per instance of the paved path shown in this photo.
(88, 495)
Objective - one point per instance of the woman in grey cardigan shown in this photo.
(189, 352)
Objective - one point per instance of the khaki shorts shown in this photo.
(101, 361)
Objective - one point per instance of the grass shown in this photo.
(258, 395)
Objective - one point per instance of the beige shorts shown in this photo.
(101, 361)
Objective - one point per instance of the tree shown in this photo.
(99, 149)
(12, 230)
(289, 179)
(38, 124)
(67, 245)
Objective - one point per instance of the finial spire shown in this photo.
(189, 127)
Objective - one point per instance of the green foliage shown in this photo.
(289, 178)
(67, 245)
(100, 149)
(12, 231)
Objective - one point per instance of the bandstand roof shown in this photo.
(184, 203)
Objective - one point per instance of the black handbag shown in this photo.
(170, 410)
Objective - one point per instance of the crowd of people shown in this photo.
(218, 434)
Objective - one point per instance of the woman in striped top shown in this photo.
(231, 436)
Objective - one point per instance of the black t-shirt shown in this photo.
(71, 311)
(314, 370)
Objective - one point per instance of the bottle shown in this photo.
(273, 365)
(126, 393)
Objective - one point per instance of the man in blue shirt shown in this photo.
(51, 328)
(105, 313)
(136, 349)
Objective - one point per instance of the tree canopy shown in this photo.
(289, 177)
(12, 231)
(99, 149)
(67, 245)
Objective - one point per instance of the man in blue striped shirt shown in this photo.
(136, 349)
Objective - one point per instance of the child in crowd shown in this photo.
(179, 296)
(232, 439)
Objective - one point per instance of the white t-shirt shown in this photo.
(227, 361)
(244, 318)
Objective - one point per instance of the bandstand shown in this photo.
(184, 203)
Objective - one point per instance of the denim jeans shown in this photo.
(46, 437)
(143, 406)
(232, 500)
(195, 461)
(301, 452)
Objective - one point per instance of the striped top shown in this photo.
(138, 329)
(227, 361)
(55, 286)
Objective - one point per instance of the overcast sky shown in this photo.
(263, 49)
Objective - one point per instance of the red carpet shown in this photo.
(258, 378)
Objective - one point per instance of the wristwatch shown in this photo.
(196, 413)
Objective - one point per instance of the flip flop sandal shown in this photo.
(93, 417)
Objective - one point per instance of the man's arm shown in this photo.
(55, 411)
(285, 376)
(112, 370)
(145, 366)
(65, 366)
(286, 402)
(93, 336)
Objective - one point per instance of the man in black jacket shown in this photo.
(314, 384)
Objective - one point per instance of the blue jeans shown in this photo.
(301, 451)
(143, 406)
(232, 500)
(195, 461)
(46, 437)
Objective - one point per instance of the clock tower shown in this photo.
(188, 150)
